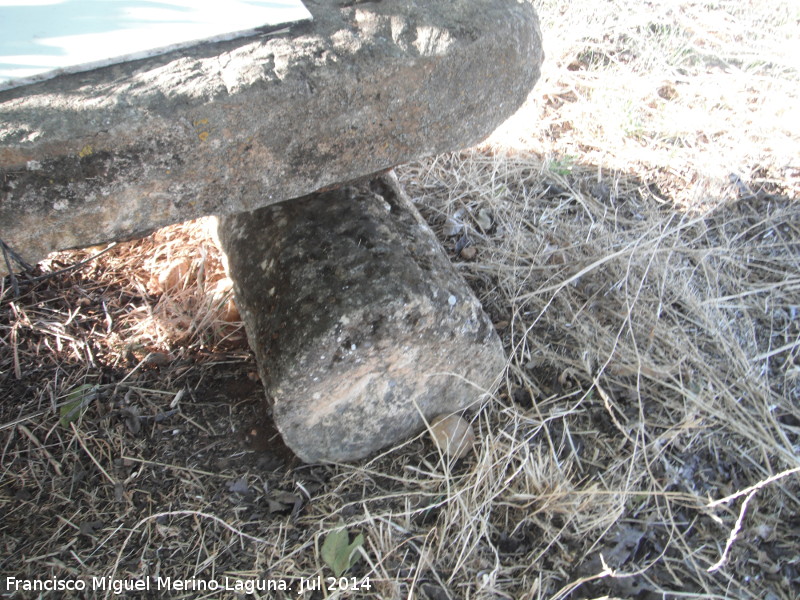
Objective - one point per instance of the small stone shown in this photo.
(453, 435)
(469, 253)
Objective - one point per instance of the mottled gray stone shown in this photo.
(359, 322)
(226, 127)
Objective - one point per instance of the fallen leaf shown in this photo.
(462, 243)
(484, 219)
(90, 527)
(282, 501)
(452, 227)
(77, 402)
(276, 507)
(239, 486)
(285, 497)
(132, 420)
(338, 552)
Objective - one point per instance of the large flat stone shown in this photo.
(361, 327)
(227, 127)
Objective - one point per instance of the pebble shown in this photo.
(469, 252)
(453, 435)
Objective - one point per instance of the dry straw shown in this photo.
(634, 234)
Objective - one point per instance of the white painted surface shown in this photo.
(42, 38)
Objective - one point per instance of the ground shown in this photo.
(634, 234)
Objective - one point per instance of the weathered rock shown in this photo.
(227, 127)
(359, 322)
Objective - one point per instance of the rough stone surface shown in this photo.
(227, 127)
(359, 322)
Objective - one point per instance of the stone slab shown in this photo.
(226, 127)
(360, 324)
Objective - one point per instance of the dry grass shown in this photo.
(684, 93)
(641, 260)
(653, 368)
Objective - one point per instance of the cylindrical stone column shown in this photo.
(359, 323)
